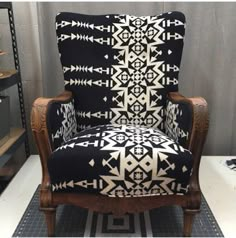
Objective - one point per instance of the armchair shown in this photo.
(120, 138)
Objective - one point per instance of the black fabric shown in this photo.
(120, 67)
(120, 160)
(231, 164)
(179, 121)
(61, 122)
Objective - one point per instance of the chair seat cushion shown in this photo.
(121, 161)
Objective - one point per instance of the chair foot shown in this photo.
(50, 215)
(188, 220)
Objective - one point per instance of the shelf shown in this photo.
(17, 137)
(7, 172)
(5, 5)
(2, 53)
(8, 79)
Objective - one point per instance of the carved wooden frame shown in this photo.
(118, 206)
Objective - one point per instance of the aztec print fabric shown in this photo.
(120, 67)
(178, 123)
(121, 160)
(61, 122)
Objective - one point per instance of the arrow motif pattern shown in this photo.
(120, 69)
(124, 161)
(134, 60)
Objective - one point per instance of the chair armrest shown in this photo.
(197, 132)
(48, 123)
(197, 111)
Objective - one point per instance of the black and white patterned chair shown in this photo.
(121, 138)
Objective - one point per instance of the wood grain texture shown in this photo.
(41, 136)
(50, 216)
(116, 205)
(198, 133)
(119, 206)
(188, 221)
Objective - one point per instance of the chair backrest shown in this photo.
(120, 67)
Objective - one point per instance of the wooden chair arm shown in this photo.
(198, 133)
(40, 130)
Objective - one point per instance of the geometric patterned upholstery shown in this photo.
(121, 160)
(61, 122)
(178, 122)
(120, 136)
(120, 67)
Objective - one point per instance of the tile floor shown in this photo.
(218, 185)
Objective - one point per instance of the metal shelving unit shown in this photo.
(18, 136)
(9, 78)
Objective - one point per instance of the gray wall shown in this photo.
(208, 63)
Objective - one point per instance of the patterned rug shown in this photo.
(74, 221)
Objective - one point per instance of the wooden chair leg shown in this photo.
(50, 215)
(188, 221)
